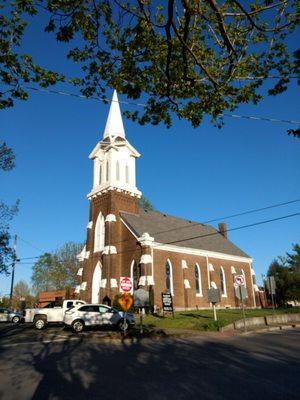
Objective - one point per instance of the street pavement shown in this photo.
(58, 364)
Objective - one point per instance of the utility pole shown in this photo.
(14, 259)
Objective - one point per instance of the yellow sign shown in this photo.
(126, 301)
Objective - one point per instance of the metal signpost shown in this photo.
(125, 300)
(213, 296)
(167, 303)
(241, 294)
(141, 300)
(272, 290)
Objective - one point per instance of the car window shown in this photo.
(69, 304)
(103, 309)
(89, 308)
(1, 311)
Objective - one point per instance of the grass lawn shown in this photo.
(203, 319)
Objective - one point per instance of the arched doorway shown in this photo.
(96, 283)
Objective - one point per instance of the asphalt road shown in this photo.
(57, 364)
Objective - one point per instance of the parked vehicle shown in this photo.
(81, 316)
(40, 317)
(6, 315)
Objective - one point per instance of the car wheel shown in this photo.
(15, 319)
(123, 325)
(78, 326)
(40, 323)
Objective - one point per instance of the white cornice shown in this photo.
(199, 252)
(98, 191)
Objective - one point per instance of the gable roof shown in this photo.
(180, 232)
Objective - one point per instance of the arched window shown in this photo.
(135, 274)
(127, 173)
(100, 173)
(198, 282)
(169, 278)
(117, 171)
(99, 233)
(107, 171)
(223, 282)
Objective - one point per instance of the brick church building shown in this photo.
(156, 250)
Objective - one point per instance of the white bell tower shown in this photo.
(114, 157)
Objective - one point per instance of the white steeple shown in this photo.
(114, 157)
(114, 124)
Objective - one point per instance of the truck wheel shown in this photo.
(40, 323)
(78, 326)
(15, 319)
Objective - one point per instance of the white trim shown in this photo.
(103, 283)
(150, 280)
(77, 289)
(211, 268)
(130, 230)
(146, 239)
(186, 284)
(199, 252)
(213, 285)
(110, 218)
(83, 285)
(79, 272)
(90, 225)
(113, 283)
(109, 250)
(146, 259)
(208, 274)
(232, 270)
(252, 271)
(142, 280)
(131, 274)
(184, 264)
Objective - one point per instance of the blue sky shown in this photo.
(198, 174)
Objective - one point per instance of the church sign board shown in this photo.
(167, 303)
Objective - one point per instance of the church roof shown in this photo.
(180, 232)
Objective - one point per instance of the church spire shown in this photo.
(114, 124)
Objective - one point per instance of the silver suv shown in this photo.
(79, 317)
(6, 315)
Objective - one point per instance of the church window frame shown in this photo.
(99, 237)
(198, 281)
(223, 282)
(169, 277)
(135, 273)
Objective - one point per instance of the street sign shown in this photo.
(125, 284)
(125, 301)
(213, 295)
(141, 298)
(241, 292)
(271, 284)
(239, 280)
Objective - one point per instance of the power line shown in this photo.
(194, 224)
(103, 99)
(29, 244)
(208, 234)
(238, 227)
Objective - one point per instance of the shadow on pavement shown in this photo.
(251, 368)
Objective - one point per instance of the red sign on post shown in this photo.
(125, 284)
(239, 280)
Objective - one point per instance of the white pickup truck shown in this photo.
(40, 317)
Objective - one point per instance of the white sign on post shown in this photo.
(239, 280)
(125, 284)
